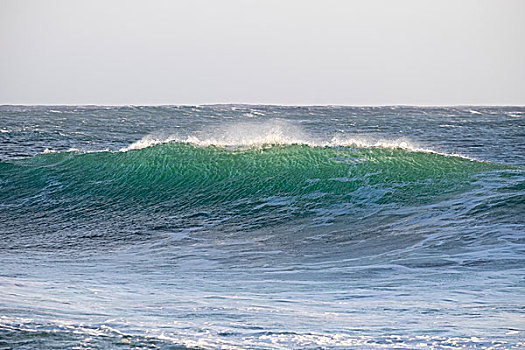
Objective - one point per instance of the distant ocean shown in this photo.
(262, 227)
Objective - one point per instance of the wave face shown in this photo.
(177, 186)
(261, 227)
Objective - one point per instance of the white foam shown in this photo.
(75, 150)
(276, 132)
(209, 338)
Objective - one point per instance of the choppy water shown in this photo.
(262, 227)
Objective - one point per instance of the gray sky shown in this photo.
(442, 52)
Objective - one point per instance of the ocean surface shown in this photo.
(262, 227)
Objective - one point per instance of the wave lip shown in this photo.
(276, 132)
(269, 140)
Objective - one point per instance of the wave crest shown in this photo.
(274, 132)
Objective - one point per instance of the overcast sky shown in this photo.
(442, 52)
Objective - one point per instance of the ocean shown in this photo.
(262, 227)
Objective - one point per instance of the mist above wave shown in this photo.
(271, 132)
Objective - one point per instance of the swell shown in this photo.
(238, 173)
(182, 178)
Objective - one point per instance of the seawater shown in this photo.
(261, 227)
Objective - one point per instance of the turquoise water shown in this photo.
(261, 227)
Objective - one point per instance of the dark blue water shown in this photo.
(262, 227)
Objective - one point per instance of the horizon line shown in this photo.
(257, 104)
